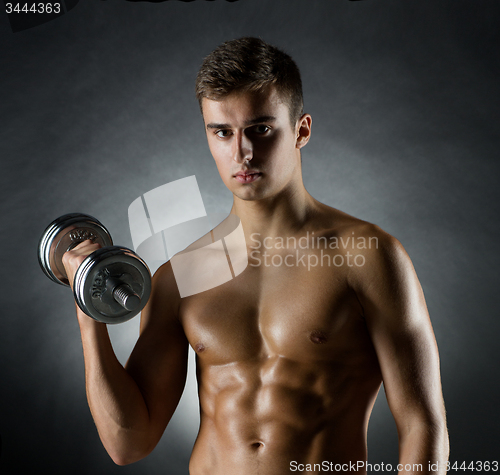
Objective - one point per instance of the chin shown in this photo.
(252, 194)
(246, 194)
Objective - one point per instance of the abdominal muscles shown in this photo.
(258, 416)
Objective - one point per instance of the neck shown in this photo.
(280, 215)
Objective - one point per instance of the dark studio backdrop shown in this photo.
(97, 107)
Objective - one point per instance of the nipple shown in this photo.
(199, 347)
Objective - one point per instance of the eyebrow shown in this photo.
(258, 120)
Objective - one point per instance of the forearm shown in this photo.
(424, 450)
(116, 403)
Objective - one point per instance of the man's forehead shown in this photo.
(247, 105)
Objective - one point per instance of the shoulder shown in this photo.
(375, 254)
(164, 274)
(165, 299)
(359, 234)
(378, 246)
(384, 254)
(382, 275)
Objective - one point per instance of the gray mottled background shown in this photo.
(97, 107)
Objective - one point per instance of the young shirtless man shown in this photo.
(290, 357)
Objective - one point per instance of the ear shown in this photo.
(303, 130)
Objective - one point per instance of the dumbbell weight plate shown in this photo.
(93, 291)
(63, 234)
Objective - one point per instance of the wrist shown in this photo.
(85, 321)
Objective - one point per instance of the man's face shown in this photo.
(256, 149)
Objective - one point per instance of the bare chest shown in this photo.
(300, 314)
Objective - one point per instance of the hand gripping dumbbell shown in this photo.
(112, 284)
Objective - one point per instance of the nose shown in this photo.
(243, 148)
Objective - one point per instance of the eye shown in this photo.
(222, 133)
(261, 129)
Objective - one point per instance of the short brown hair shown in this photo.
(249, 65)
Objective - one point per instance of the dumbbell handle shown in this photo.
(124, 295)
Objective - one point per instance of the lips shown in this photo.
(247, 176)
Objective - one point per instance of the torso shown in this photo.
(286, 369)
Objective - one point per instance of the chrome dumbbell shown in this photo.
(112, 284)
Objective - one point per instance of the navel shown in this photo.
(257, 445)
(318, 337)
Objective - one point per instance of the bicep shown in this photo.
(401, 332)
(158, 362)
